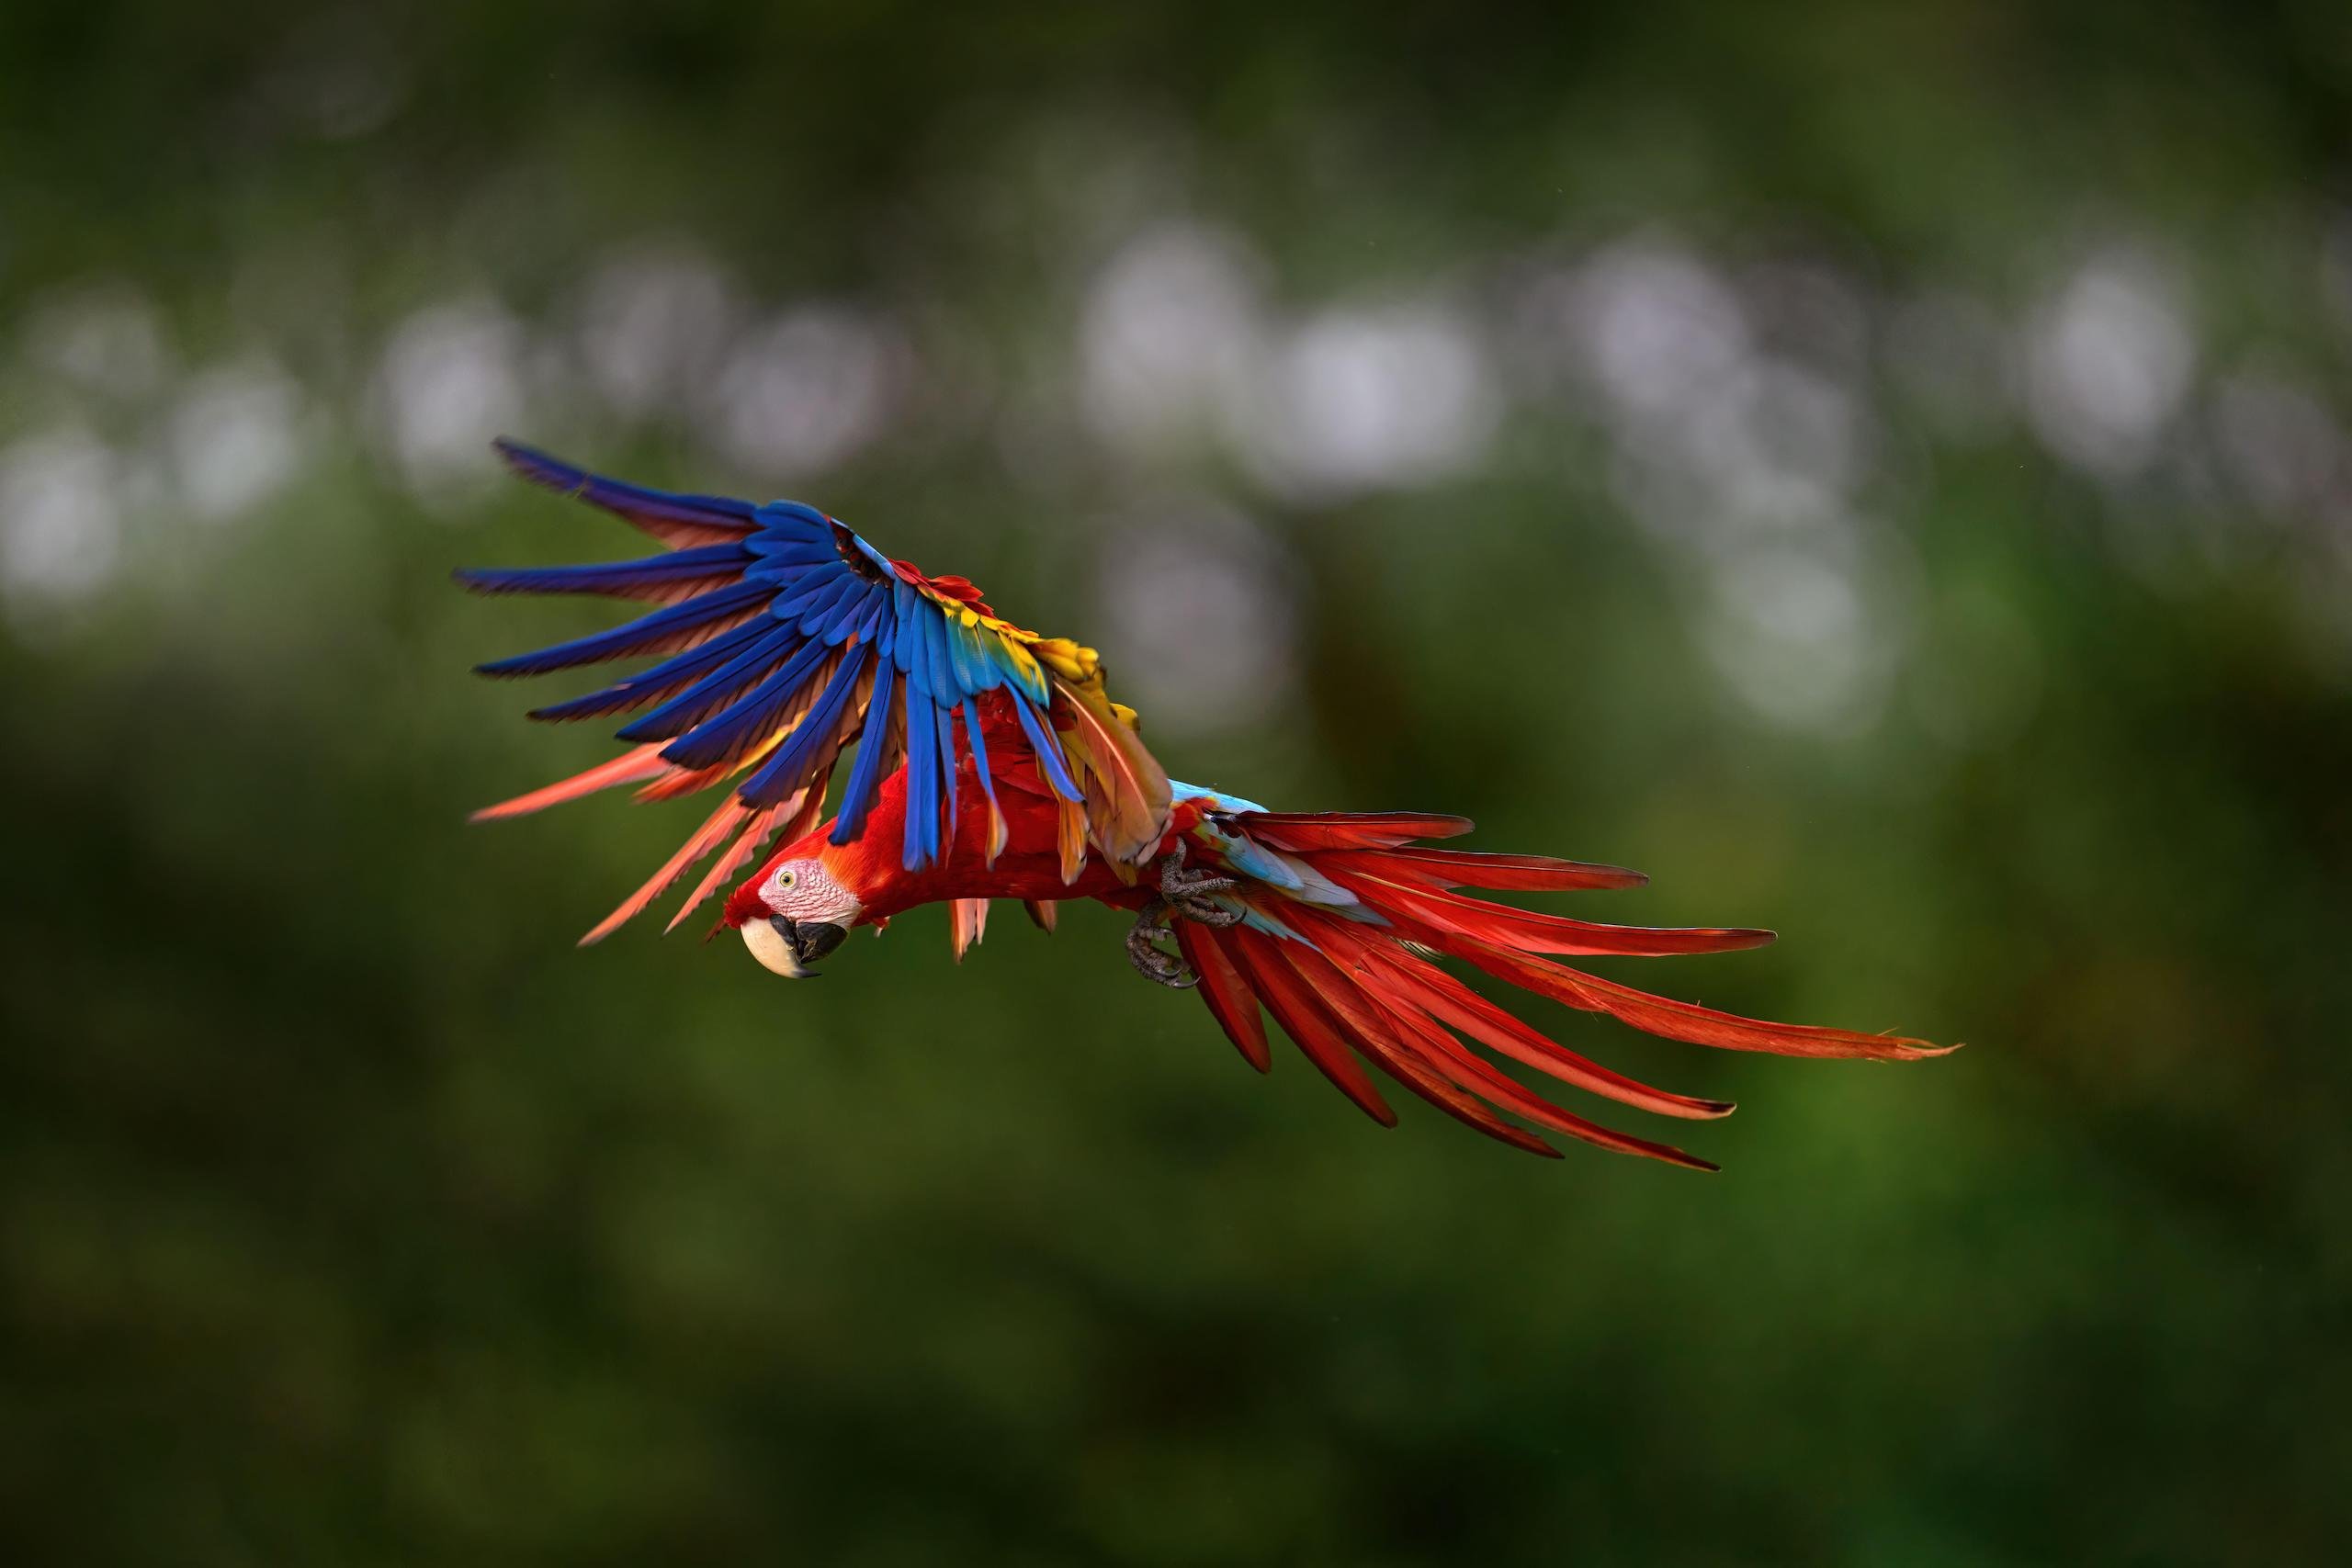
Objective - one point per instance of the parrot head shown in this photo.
(792, 914)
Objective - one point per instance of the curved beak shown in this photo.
(787, 947)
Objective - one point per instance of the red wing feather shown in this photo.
(629, 768)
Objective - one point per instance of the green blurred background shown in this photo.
(1883, 469)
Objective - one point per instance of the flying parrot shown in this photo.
(991, 763)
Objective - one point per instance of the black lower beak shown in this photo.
(809, 940)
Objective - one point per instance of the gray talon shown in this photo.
(1183, 895)
(1151, 961)
(1178, 884)
(1202, 912)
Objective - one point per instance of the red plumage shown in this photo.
(1355, 985)
(785, 639)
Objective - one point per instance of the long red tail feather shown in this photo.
(1230, 1000)
(1304, 831)
(1286, 996)
(1509, 873)
(1522, 929)
(1352, 991)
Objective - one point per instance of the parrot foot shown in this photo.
(1183, 895)
(1151, 961)
(1191, 893)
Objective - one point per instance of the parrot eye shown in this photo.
(783, 879)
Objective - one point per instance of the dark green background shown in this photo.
(350, 1215)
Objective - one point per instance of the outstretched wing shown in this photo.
(781, 637)
(1342, 917)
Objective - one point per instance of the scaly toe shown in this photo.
(1153, 962)
(1201, 911)
(1162, 968)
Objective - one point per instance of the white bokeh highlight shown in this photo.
(805, 391)
(654, 324)
(2109, 360)
(107, 338)
(235, 438)
(1205, 607)
(1362, 398)
(450, 378)
(1657, 327)
(1169, 337)
(61, 521)
(1749, 454)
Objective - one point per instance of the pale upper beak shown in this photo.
(787, 947)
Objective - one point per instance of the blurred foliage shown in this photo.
(350, 1215)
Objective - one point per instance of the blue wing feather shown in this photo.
(857, 796)
(943, 721)
(795, 519)
(648, 684)
(975, 670)
(915, 632)
(943, 667)
(789, 768)
(711, 742)
(623, 499)
(980, 765)
(827, 604)
(1050, 752)
(785, 557)
(786, 593)
(905, 606)
(920, 844)
(681, 712)
(807, 588)
(861, 620)
(634, 637)
(609, 577)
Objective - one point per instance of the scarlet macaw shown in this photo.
(994, 765)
